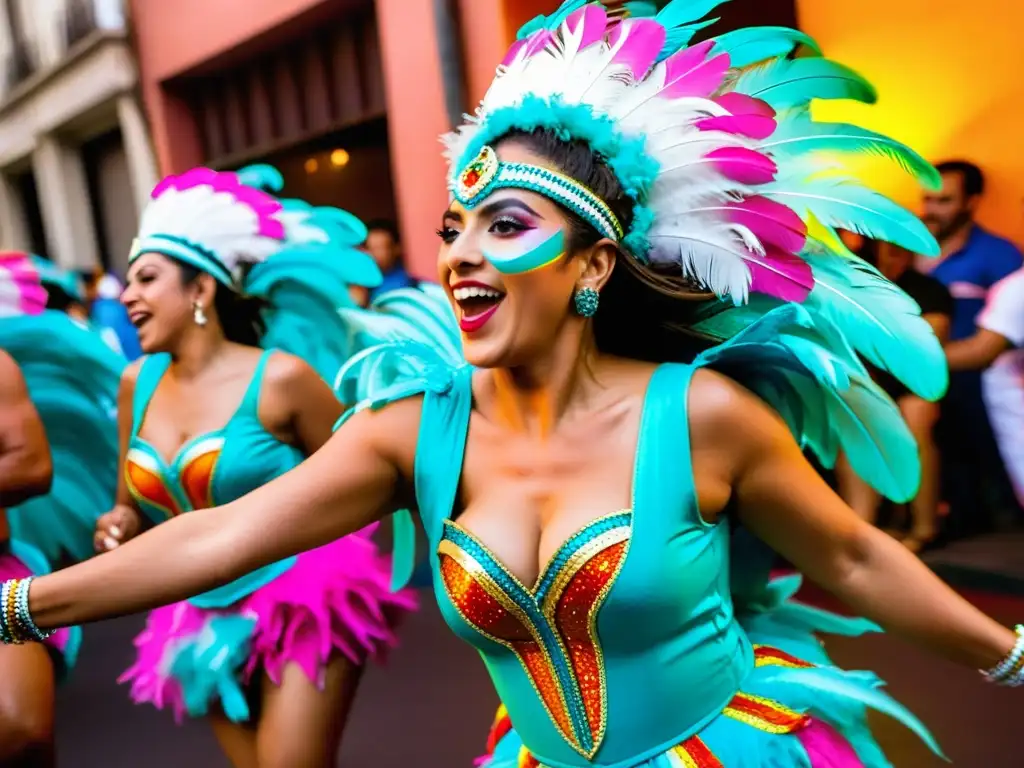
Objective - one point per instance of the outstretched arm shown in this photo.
(26, 468)
(350, 482)
(783, 501)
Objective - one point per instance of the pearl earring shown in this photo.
(198, 315)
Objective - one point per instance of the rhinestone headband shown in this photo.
(486, 173)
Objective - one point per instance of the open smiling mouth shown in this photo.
(477, 304)
(139, 319)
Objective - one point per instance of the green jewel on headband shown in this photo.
(486, 174)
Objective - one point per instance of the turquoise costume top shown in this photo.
(644, 637)
(210, 469)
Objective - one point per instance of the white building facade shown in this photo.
(76, 164)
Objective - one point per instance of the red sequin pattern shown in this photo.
(485, 614)
(574, 619)
(694, 753)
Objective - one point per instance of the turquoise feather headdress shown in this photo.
(733, 184)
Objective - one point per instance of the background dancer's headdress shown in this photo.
(733, 184)
(300, 259)
(72, 378)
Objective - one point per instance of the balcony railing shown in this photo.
(79, 20)
(20, 63)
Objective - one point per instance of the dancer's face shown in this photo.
(513, 316)
(160, 304)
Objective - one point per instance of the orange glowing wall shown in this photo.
(949, 82)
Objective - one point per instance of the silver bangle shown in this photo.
(1009, 671)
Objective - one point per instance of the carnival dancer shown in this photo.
(58, 473)
(655, 316)
(222, 276)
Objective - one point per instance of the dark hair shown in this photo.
(241, 317)
(645, 312)
(383, 225)
(59, 299)
(973, 178)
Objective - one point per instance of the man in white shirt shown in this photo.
(997, 347)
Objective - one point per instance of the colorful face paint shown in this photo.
(547, 252)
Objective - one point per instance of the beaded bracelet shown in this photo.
(1009, 671)
(16, 624)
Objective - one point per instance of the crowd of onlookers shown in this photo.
(972, 442)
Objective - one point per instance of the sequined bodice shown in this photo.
(212, 468)
(628, 636)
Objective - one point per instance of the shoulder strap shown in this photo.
(151, 370)
(664, 476)
(251, 399)
(439, 452)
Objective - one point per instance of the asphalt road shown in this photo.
(431, 706)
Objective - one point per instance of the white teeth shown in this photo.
(461, 294)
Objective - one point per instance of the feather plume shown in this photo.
(755, 44)
(848, 205)
(797, 134)
(880, 321)
(795, 82)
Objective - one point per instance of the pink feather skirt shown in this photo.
(335, 601)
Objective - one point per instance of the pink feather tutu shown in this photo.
(62, 644)
(333, 601)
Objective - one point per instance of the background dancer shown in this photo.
(273, 658)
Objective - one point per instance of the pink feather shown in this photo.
(513, 51)
(644, 40)
(538, 41)
(17, 270)
(750, 117)
(751, 126)
(744, 166)
(265, 206)
(780, 274)
(595, 22)
(826, 747)
(771, 222)
(741, 104)
(691, 73)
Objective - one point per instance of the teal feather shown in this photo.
(681, 12)
(349, 230)
(73, 378)
(206, 666)
(641, 8)
(305, 286)
(805, 370)
(846, 204)
(552, 21)
(797, 134)
(753, 44)
(795, 82)
(261, 176)
(880, 321)
(833, 687)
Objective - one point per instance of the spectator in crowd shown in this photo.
(972, 261)
(384, 245)
(997, 347)
(110, 316)
(921, 416)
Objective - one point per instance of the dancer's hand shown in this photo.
(116, 527)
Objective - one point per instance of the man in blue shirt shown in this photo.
(383, 244)
(972, 261)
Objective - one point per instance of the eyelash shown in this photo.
(516, 225)
(447, 234)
